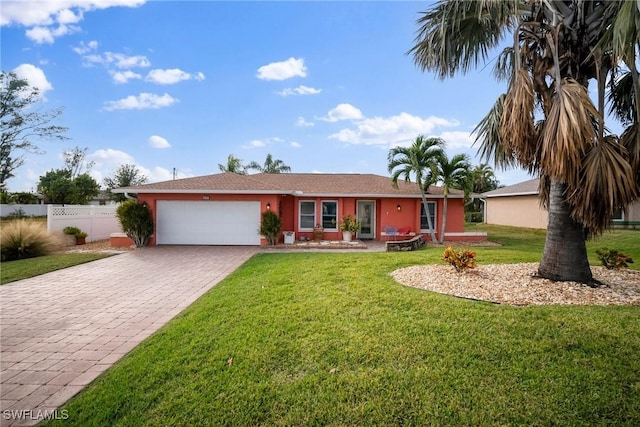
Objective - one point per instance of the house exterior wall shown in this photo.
(516, 211)
(288, 206)
(631, 217)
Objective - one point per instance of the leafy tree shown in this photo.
(417, 160)
(125, 176)
(21, 123)
(24, 198)
(452, 173)
(546, 121)
(59, 187)
(136, 221)
(270, 166)
(234, 165)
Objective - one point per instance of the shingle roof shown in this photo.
(310, 184)
(520, 189)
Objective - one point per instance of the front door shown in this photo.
(367, 219)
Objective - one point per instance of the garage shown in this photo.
(207, 222)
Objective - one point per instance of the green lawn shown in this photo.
(330, 339)
(11, 271)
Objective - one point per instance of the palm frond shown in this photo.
(487, 134)
(621, 98)
(630, 139)
(607, 183)
(454, 36)
(568, 133)
(517, 131)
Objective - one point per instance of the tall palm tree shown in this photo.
(270, 166)
(417, 160)
(234, 165)
(452, 173)
(546, 121)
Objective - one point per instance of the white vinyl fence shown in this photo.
(98, 221)
(27, 210)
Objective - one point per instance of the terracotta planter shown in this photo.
(318, 234)
(81, 240)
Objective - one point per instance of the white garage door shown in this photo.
(207, 223)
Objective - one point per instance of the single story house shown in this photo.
(225, 208)
(518, 205)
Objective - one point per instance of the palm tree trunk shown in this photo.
(444, 219)
(565, 253)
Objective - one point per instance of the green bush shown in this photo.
(611, 259)
(71, 231)
(136, 221)
(270, 227)
(460, 260)
(25, 239)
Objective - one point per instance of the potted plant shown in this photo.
(318, 233)
(270, 227)
(349, 225)
(79, 236)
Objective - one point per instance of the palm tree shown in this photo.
(482, 179)
(416, 160)
(452, 173)
(270, 166)
(559, 46)
(234, 165)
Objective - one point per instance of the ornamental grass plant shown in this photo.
(26, 239)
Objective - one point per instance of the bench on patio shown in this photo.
(405, 245)
(392, 233)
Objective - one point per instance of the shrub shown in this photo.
(25, 239)
(460, 260)
(270, 226)
(349, 223)
(71, 231)
(136, 221)
(611, 259)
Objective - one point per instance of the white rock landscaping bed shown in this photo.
(515, 284)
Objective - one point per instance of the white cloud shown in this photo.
(342, 112)
(258, 143)
(300, 90)
(111, 59)
(303, 123)
(156, 141)
(295, 144)
(395, 130)
(109, 160)
(458, 139)
(47, 20)
(143, 101)
(120, 77)
(35, 76)
(171, 76)
(292, 67)
(83, 48)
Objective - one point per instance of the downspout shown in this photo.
(128, 197)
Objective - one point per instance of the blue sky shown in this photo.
(323, 86)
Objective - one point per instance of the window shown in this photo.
(330, 215)
(424, 225)
(307, 214)
(618, 215)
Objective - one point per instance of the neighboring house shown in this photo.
(518, 205)
(225, 208)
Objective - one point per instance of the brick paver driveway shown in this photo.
(59, 331)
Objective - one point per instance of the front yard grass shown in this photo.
(331, 339)
(11, 271)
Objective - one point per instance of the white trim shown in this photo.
(300, 228)
(321, 215)
(435, 217)
(521, 193)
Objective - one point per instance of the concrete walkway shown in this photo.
(59, 331)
